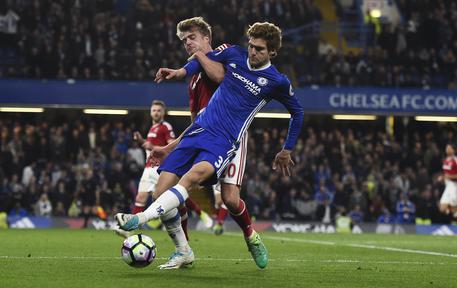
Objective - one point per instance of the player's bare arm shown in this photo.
(168, 74)
(450, 177)
(138, 138)
(213, 69)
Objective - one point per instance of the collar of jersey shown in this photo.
(258, 69)
(157, 124)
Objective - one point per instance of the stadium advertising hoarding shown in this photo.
(330, 100)
(35, 222)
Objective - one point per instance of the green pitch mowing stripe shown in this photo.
(89, 258)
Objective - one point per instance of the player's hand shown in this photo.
(160, 152)
(196, 55)
(147, 145)
(283, 161)
(138, 138)
(167, 74)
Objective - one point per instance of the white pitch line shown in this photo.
(332, 261)
(394, 249)
(356, 245)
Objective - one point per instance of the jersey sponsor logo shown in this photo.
(248, 84)
(152, 134)
(262, 81)
(219, 161)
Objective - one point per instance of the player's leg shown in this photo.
(183, 255)
(145, 188)
(178, 162)
(230, 188)
(86, 214)
(184, 219)
(448, 199)
(239, 212)
(198, 158)
(220, 208)
(176, 195)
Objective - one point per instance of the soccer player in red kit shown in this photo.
(160, 134)
(448, 201)
(195, 34)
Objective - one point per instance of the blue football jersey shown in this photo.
(242, 93)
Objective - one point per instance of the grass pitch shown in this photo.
(90, 258)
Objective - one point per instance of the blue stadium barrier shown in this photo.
(138, 95)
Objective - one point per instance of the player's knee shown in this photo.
(231, 196)
(142, 197)
(444, 208)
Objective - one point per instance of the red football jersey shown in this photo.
(450, 166)
(159, 134)
(201, 88)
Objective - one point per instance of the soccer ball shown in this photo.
(138, 250)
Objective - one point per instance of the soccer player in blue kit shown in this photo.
(208, 146)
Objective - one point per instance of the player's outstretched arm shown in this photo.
(168, 74)
(213, 69)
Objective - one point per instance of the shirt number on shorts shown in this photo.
(231, 170)
(219, 162)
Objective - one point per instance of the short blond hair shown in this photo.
(159, 103)
(196, 22)
(271, 33)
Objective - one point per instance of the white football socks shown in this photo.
(170, 199)
(172, 222)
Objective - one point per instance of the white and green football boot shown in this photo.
(258, 250)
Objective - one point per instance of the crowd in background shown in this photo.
(48, 166)
(130, 39)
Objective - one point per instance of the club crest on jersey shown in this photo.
(291, 90)
(160, 210)
(262, 81)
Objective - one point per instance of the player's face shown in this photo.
(157, 113)
(194, 41)
(450, 150)
(258, 52)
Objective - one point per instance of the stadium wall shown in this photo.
(138, 95)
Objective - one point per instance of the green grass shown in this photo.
(89, 258)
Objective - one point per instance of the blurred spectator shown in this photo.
(359, 169)
(405, 210)
(356, 215)
(81, 40)
(43, 207)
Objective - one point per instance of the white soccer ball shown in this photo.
(138, 250)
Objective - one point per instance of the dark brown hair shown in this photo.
(271, 33)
